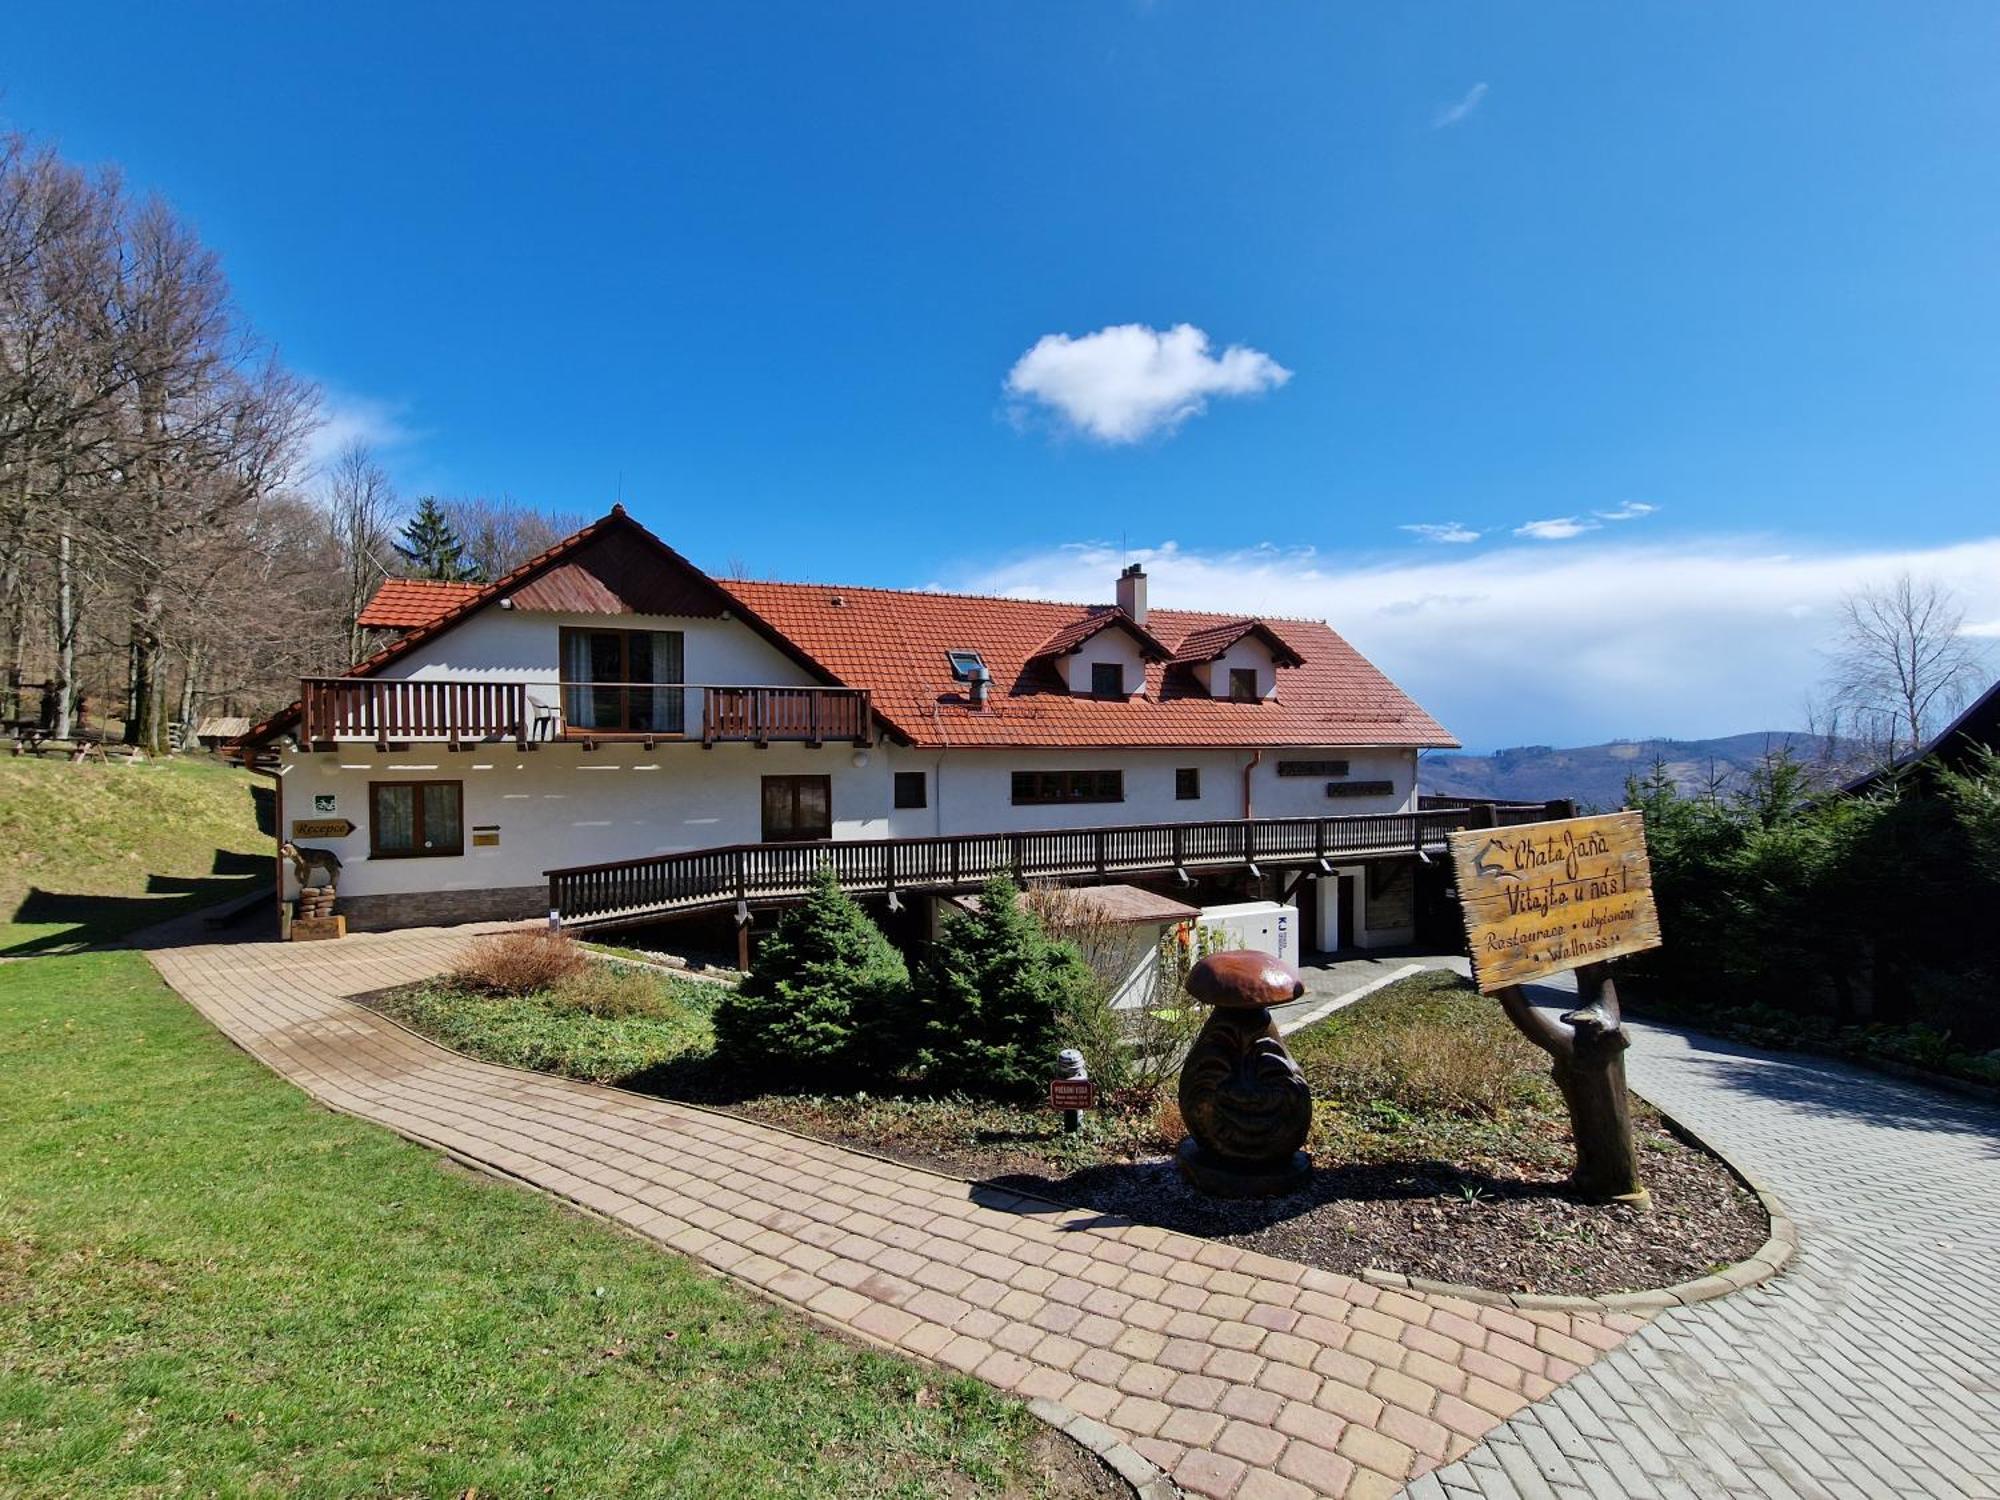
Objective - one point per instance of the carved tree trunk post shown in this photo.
(1587, 1061)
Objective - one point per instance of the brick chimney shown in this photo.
(1132, 593)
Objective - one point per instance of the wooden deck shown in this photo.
(666, 885)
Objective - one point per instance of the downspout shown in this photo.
(1249, 808)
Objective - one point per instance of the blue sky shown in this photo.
(1728, 272)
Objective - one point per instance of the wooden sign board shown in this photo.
(1072, 1093)
(1539, 898)
(320, 828)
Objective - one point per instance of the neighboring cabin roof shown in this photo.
(1978, 725)
(405, 603)
(1209, 643)
(893, 642)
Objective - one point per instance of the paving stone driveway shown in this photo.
(1238, 1374)
(1871, 1368)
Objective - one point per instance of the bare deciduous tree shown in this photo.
(360, 505)
(1903, 664)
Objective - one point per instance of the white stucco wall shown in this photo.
(559, 804)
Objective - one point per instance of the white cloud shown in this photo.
(1986, 630)
(1527, 645)
(1443, 531)
(1121, 384)
(347, 418)
(1631, 510)
(1555, 529)
(1453, 114)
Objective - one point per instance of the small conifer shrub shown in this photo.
(828, 998)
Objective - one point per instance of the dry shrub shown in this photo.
(1424, 1067)
(599, 989)
(520, 963)
(1167, 1120)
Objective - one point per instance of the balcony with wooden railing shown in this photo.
(394, 710)
(668, 885)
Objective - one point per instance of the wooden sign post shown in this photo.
(1541, 898)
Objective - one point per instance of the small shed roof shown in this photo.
(1119, 905)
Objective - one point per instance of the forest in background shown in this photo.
(167, 549)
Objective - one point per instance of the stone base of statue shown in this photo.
(1221, 1178)
(1247, 1106)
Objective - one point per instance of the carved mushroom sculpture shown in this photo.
(1247, 1106)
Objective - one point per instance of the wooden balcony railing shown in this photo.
(385, 709)
(661, 885)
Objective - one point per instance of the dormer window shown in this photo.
(1107, 679)
(1243, 685)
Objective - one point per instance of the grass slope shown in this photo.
(100, 850)
(209, 1285)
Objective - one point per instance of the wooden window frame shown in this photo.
(1066, 788)
(1187, 784)
(794, 837)
(1109, 695)
(1237, 692)
(566, 633)
(375, 849)
(921, 781)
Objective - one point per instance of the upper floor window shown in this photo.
(911, 790)
(1243, 685)
(1107, 679)
(1068, 786)
(618, 681)
(1187, 784)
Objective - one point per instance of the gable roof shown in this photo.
(405, 603)
(1210, 642)
(893, 642)
(569, 564)
(1094, 622)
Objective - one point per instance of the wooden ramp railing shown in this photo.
(664, 885)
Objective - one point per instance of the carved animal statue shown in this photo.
(306, 863)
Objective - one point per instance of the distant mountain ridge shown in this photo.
(1595, 775)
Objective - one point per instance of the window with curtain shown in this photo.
(624, 681)
(415, 819)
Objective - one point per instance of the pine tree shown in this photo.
(433, 550)
(997, 995)
(829, 997)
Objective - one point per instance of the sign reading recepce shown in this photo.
(1540, 898)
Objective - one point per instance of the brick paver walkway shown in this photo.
(1870, 1369)
(1238, 1374)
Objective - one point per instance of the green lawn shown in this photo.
(97, 851)
(209, 1285)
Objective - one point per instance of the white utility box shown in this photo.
(1262, 926)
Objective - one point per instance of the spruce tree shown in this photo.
(997, 995)
(433, 549)
(828, 1000)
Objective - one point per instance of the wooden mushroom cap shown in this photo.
(1244, 979)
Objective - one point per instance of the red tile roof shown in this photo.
(406, 603)
(893, 642)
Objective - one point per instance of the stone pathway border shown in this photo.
(1241, 1376)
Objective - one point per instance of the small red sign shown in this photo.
(1072, 1093)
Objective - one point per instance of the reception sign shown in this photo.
(1539, 898)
